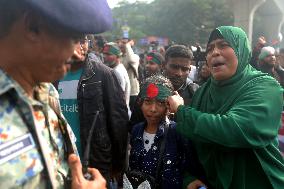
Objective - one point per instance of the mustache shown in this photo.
(176, 79)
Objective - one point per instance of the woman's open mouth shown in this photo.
(217, 64)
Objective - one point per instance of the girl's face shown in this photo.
(154, 110)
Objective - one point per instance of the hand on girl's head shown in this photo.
(175, 101)
(175, 93)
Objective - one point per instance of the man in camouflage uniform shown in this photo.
(37, 38)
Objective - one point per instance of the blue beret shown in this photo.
(82, 16)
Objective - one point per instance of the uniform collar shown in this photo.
(7, 84)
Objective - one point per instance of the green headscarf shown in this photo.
(238, 40)
(221, 91)
(234, 123)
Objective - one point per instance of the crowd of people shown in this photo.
(77, 111)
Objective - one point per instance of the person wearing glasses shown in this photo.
(87, 88)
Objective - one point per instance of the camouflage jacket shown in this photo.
(32, 146)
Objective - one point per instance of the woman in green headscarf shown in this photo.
(234, 118)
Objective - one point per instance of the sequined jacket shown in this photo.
(26, 127)
(179, 156)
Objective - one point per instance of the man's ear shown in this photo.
(163, 65)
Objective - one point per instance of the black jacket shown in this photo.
(187, 91)
(99, 90)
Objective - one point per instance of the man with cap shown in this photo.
(37, 38)
(154, 62)
(112, 56)
(267, 64)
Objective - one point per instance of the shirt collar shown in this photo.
(159, 133)
(8, 84)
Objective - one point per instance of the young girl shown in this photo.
(146, 138)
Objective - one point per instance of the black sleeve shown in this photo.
(117, 120)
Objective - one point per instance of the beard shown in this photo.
(110, 64)
(149, 73)
(177, 82)
(267, 66)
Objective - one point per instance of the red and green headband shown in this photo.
(157, 91)
(152, 57)
(111, 49)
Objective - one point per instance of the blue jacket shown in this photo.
(178, 155)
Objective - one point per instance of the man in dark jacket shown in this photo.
(96, 86)
(178, 59)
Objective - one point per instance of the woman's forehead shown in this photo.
(219, 40)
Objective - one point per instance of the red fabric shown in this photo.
(148, 58)
(152, 90)
(106, 49)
